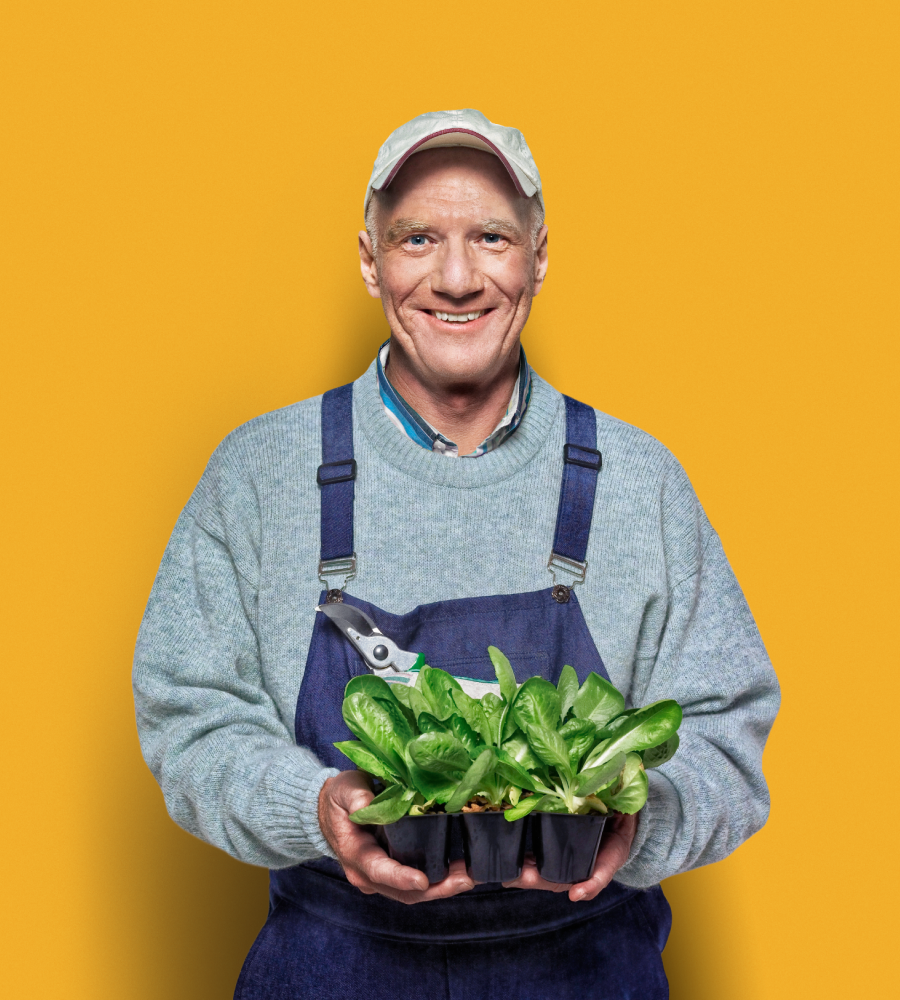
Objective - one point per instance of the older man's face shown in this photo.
(456, 265)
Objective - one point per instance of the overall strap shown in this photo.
(581, 464)
(336, 478)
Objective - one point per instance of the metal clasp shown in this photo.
(345, 567)
(576, 570)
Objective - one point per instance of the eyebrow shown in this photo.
(403, 227)
(502, 227)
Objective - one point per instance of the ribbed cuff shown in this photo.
(291, 797)
(643, 869)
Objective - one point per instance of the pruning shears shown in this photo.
(383, 656)
(380, 654)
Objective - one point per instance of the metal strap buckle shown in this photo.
(345, 567)
(570, 566)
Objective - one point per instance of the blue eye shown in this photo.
(417, 241)
(492, 238)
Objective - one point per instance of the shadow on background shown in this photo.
(706, 957)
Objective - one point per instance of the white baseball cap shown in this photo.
(467, 127)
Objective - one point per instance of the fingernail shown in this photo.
(577, 896)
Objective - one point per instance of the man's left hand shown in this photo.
(617, 838)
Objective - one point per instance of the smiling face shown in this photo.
(456, 266)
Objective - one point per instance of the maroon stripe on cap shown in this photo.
(451, 131)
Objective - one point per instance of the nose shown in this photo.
(457, 273)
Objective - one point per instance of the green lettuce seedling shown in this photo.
(432, 745)
(587, 753)
(538, 746)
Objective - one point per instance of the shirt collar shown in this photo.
(416, 427)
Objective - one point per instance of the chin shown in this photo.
(461, 360)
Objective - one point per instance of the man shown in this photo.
(429, 494)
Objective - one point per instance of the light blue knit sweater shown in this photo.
(223, 644)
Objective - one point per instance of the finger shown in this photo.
(612, 855)
(352, 793)
(457, 881)
(530, 878)
(373, 863)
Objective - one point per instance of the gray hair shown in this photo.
(377, 199)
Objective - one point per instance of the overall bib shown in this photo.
(324, 939)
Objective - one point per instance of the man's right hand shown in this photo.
(365, 864)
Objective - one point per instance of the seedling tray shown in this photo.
(494, 849)
(565, 846)
(421, 842)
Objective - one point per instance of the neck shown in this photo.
(465, 412)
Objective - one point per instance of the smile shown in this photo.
(457, 317)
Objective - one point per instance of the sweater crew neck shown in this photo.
(397, 449)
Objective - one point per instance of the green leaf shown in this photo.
(383, 731)
(654, 756)
(466, 735)
(374, 687)
(429, 724)
(365, 760)
(518, 748)
(524, 807)
(472, 779)
(398, 686)
(401, 693)
(471, 710)
(436, 686)
(633, 794)
(417, 702)
(504, 672)
(551, 804)
(380, 690)
(494, 709)
(568, 690)
(646, 728)
(550, 747)
(597, 700)
(440, 752)
(536, 704)
(580, 736)
(576, 727)
(512, 771)
(614, 725)
(434, 787)
(595, 778)
(392, 804)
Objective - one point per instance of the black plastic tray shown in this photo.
(421, 842)
(565, 846)
(494, 849)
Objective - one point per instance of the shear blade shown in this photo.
(345, 615)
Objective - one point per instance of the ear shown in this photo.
(368, 266)
(540, 259)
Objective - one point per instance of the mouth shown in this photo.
(460, 317)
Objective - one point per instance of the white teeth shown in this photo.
(458, 317)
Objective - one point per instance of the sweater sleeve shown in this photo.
(228, 766)
(710, 657)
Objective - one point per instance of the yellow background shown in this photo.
(181, 191)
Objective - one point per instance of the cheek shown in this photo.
(512, 276)
(398, 278)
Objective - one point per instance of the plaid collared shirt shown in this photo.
(416, 427)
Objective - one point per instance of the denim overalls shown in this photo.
(324, 939)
